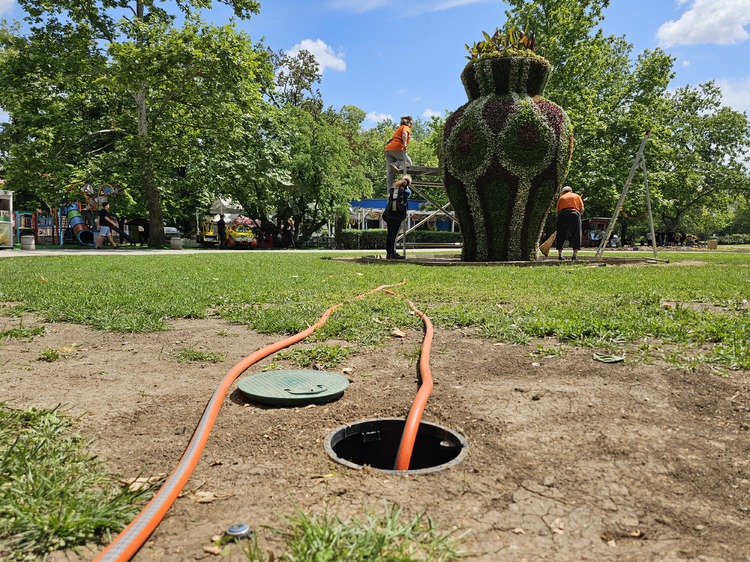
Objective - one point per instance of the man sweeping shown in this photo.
(569, 211)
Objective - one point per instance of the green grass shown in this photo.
(53, 493)
(190, 355)
(601, 307)
(385, 537)
(319, 356)
(50, 355)
(21, 332)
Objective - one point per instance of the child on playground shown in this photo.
(106, 223)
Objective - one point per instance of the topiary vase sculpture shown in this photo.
(505, 157)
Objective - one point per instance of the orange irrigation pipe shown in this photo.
(411, 427)
(130, 540)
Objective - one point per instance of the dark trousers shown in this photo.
(392, 224)
(568, 227)
(222, 240)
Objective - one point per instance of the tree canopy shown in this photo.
(613, 97)
(119, 94)
(145, 95)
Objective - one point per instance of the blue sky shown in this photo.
(398, 57)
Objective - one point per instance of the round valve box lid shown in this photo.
(293, 387)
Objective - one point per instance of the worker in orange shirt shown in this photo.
(569, 211)
(395, 150)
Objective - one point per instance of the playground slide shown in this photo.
(77, 223)
(124, 236)
(82, 232)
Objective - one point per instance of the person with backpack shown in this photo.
(395, 213)
(395, 149)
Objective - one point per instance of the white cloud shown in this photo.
(720, 22)
(686, 63)
(324, 54)
(360, 5)
(736, 93)
(6, 5)
(403, 8)
(428, 113)
(376, 117)
(449, 4)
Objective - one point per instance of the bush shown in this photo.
(734, 239)
(374, 238)
(361, 239)
(434, 237)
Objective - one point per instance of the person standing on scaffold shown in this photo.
(395, 150)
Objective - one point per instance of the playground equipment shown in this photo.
(26, 225)
(79, 227)
(6, 219)
(80, 216)
(207, 234)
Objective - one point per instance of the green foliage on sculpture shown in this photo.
(505, 153)
(512, 42)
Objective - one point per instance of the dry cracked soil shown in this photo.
(568, 458)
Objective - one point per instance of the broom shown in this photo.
(545, 246)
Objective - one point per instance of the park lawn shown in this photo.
(696, 304)
(690, 311)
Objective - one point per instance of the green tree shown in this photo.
(701, 158)
(612, 97)
(740, 217)
(162, 91)
(312, 151)
(56, 122)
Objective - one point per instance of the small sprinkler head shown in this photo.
(239, 531)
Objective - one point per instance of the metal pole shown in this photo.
(404, 225)
(648, 206)
(441, 208)
(613, 220)
(427, 218)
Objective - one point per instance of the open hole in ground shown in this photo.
(375, 443)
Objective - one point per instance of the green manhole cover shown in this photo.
(293, 388)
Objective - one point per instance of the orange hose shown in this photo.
(411, 427)
(130, 540)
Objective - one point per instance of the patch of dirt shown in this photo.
(569, 459)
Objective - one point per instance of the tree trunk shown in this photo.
(153, 198)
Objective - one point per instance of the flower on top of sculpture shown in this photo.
(511, 43)
(503, 62)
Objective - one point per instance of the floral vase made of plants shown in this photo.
(506, 152)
